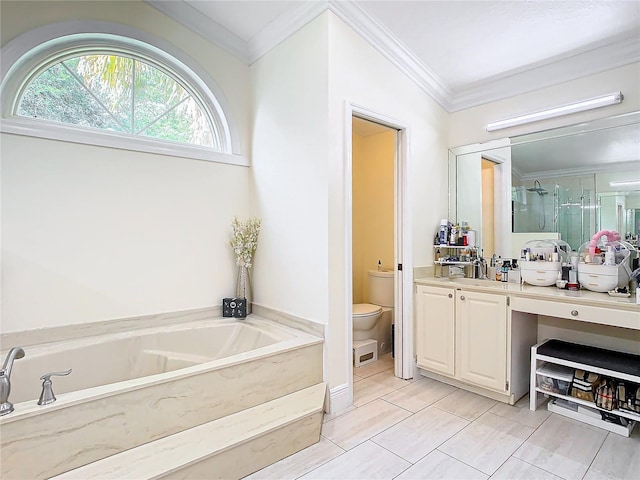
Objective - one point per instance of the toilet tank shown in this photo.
(381, 289)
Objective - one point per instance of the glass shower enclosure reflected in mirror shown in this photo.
(560, 207)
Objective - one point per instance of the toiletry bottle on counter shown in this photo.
(465, 233)
(610, 256)
(498, 272)
(573, 259)
(444, 230)
(506, 266)
(514, 274)
(555, 257)
(471, 238)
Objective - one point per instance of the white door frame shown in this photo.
(403, 309)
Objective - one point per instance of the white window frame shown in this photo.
(42, 47)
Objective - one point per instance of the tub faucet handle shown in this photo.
(47, 396)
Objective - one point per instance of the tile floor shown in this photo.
(424, 429)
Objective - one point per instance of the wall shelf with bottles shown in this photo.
(460, 256)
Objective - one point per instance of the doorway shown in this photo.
(488, 207)
(402, 308)
(373, 226)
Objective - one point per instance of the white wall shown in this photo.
(299, 90)
(92, 233)
(361, 76)
(289, 163)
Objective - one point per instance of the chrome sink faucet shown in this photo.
(480, 268)
(5, 384)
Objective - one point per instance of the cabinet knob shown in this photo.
(461, 297)
(451, 295)
(574, 313)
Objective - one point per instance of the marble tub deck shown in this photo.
(84, 426)
(424, 429)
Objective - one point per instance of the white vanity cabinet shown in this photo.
(477, 335)
(435, 328)
(481, 339)
(462, 334)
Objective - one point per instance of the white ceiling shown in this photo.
(464, 53)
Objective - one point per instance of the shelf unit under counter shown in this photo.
(608, 363)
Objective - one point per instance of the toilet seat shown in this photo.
(365, 309)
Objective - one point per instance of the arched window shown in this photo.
(120, 94)
(112, 90)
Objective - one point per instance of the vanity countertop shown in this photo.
(580, 297)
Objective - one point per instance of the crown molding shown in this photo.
(597, 58)
(380, 38)
(189, 17)
(590, 60)
(283, 27)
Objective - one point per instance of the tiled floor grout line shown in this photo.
(334, 443)
(384, 430)
(517, 448)
(538, 467)
(594, 457)
(443, 442)
(432, 404)
(457, 459)
(519, 417)
(470, 422)
(411, 414)
(523, 442)
(327, 461)
(411, 464)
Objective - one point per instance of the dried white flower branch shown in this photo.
(245, 240)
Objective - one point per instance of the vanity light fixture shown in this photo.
(582, 106)
(625, 183)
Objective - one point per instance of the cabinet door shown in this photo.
(435, 329)
(481, 340)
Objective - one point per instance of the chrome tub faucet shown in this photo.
(5, 384)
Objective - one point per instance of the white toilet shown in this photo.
(372, 321)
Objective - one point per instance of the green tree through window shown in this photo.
(119, 94)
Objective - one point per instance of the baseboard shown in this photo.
(339, 399)
(501, 397)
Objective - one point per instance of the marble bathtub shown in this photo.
(133, 387)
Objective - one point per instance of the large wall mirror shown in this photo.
(480, 192)
(565, 183)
